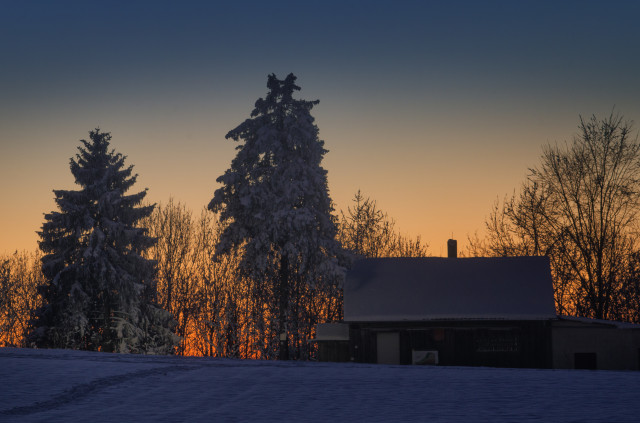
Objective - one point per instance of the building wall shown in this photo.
(576, 344)
(457, 343)
(335, 351)
(560, 343)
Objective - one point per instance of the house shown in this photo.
(497, 311)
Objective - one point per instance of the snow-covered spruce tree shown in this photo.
(100, 292)
(275, 204)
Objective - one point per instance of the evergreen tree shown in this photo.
(99, 292)
(275, 204)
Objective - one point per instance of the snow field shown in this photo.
(60, 386)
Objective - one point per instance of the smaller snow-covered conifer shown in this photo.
(100, 291)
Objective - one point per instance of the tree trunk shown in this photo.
(283, 353)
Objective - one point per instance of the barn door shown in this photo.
(388, 344)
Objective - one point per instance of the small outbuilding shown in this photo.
(497, 312)
(582, 343)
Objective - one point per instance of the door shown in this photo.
(388, 344)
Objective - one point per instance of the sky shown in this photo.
(433, 109)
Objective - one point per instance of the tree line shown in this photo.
(255, 271)
(218, 313)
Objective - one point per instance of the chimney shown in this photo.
(452, 248)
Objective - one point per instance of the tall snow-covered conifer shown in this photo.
(100, 291)
(275, 202)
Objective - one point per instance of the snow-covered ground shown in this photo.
(57, 385)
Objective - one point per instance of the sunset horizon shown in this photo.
(433, 111)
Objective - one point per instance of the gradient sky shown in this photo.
(434, 109)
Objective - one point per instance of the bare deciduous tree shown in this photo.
(579, 207)
(367, 231)
(173, 253)
(20, 276)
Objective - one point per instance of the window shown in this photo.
(587, 361)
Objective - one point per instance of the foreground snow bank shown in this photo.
(57, 385)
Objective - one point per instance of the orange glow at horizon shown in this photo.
(434, 185)
(434, 111)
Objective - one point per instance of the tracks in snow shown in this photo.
(84, 390)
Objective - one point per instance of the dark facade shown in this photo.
(454, 343)
(334, 351)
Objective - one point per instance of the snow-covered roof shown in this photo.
(434, 288)
(588, 320)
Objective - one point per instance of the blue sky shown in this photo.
(435, 109)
